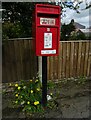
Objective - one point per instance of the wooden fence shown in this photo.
(19, 61)
(74, 60)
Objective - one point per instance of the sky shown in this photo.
(82, 18)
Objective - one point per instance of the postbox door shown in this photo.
(47, 41)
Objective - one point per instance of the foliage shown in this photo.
(82, 80)
(75, 5)
(66, 30)
(77, 35)
(28, 96)
(11, 30)
(17, 17)
(88, 37)
(50, 85)
(51, 104)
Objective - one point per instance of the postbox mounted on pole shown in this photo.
(46, 29)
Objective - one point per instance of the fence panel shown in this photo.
(74, 60)
(19, 61)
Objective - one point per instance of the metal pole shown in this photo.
(44, 81)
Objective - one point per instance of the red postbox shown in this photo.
(46, 29)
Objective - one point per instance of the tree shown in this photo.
(66, 30)
(74, 5)
(17, 17)
(77, 35)
(12, 30)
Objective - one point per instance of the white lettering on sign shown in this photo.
(47, 21)
(47, 40)
(48, 51)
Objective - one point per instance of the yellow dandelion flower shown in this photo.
(16, 102)
(51, 94)
(36, 80)
(19, 88)
(38, 89)
(10, 84)
(30, 80)
(16, 95)
(21, 97)
(16, 85)
(31, 91)
(28, 102)
(36, 102)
